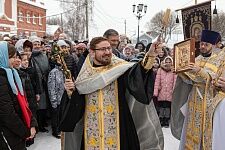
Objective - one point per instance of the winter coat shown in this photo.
(118, 54)
(34, 79)
(29, 90)
(39, 62)
(55, 86)
(164, 85)
(12, 127)
(71, 65)
(81, 61)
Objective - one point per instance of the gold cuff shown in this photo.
(148, 62)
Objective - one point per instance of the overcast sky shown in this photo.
(112, 13)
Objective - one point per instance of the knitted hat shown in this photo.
(62, 43)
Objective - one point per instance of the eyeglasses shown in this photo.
(103, 49)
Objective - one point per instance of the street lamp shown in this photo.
(139, 13)
(215, 10)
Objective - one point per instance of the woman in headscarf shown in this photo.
(16, 120)
(24, 46)
(140, 46)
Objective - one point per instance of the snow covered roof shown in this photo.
(51, 29)
(145, 35)
(38, 3)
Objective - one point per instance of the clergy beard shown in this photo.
(206, 54)
(103, 59)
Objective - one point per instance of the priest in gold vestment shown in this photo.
(197, 127)
(110, 107)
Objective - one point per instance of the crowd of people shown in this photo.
(123, 92)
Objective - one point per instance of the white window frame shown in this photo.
(34, 19)
(20, 16)
(2, 6)
(40, 20)
(28, 17)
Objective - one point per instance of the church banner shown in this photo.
(195, 19)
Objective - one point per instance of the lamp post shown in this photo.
(139, 13)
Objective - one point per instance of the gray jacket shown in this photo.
(39, 62)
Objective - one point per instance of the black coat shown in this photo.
(72, 110)
(81, 61)
(34, 79)
(11, 123)
(29, 90)
(71, 65)
(39, 63)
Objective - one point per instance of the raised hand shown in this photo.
(155, 48)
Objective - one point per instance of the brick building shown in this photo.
(31, 18)
(8, 17)
(22, 17)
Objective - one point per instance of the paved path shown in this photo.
(45, 141)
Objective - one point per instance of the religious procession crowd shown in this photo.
(110, 94)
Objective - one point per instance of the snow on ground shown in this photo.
(45, 141)
(170, 143)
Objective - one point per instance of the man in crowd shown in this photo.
(80, 48)
(114, 39)
(190, 108)
(39, 62)
(102, 109)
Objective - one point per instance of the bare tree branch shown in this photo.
(74, 24)
(156, 24)
(218, 23)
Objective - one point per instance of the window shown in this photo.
(34, 19)
(20, 16)
(28, 18)
(40, 20)
(2, 4)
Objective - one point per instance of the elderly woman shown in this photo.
(16, 120)
(128, 52)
